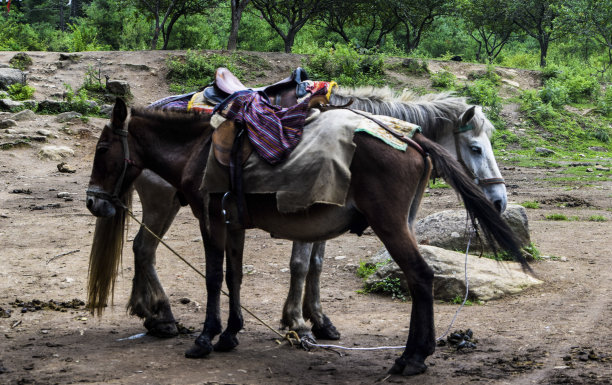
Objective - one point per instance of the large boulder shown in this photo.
(118, 88)
(488, 279)
(10, 76)
(447, 229)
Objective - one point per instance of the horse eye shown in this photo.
(476, 149)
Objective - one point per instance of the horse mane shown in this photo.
(426, 110)
(171, 124)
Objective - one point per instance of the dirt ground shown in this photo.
(556, 333)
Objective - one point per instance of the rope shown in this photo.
(292, 334)
(131, 214)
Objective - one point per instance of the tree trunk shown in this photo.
(289, 40)
(237, 8)
(543, 51)
(155, 37)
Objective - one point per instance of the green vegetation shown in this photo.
(443, 80)
(194, 70)
(597, 218)
(389, 285)
(19, 91)
(556, 217)
(346, 66)
(438, 183)
(531, 204)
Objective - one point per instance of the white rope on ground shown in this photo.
(467, 286)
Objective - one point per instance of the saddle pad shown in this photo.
(316, 171)
(370, 127)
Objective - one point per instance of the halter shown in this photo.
(479, 181)
(99, 193)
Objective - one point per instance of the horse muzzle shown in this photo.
(99, 203)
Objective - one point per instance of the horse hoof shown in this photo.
(200, 349)
(161, 329)
(326, 331)
(409, 368)
(226, 343)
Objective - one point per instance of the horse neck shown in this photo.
(428, 115)
(168, 150)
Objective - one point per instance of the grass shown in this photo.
(597, 218)
(438, 183)
(556, 217)
(531, 205)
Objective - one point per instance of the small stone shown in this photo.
(7, 123)
(543, 151)
(184, 300)
(589, 170)
(63, 167)
(44, 132)
(68, 116)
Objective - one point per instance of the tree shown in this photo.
(167, 12)
(490, 24)
(593, 20)
(238, 7)
(538, 19)
(291, 15)
(417, 16)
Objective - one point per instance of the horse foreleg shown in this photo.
(148, 299)
(213, 247)
(292, 310)
(322, 326)
(233, 278)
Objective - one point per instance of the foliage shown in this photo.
(343, 64)
(21, 61)
(556, 217)
(84, 38)
(484, 92)
(443, 80)
(531, 204)
(19, 91)
(597, 218)
(78, 101)
(389, 286)
(366, 269)
(193, 71)
(16, 34)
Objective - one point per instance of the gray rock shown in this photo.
(10, 76)
(487, 279)
(52, 106)
(598, 149)
(55, 152)
(542, 151)
(6, 123)
(10, 105)
(118, 87)
(68, 116)
(106, 110)
(43, 132)
(446, 229)
(24, 115)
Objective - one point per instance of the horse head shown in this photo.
(473, 148)
(113, 170)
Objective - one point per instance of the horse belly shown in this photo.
(319, 222)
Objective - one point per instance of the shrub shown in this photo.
(597, 218)
(78, 101)
(193, 71)
(531, 205)
(485, 93)
(555, 93)
(343, 64)
(443, 80)
(556, 217)
(19, 91)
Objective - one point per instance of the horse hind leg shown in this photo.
(148, 299)
(322, 326)
(293, 318)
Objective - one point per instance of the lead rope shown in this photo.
(131, 214)
(292, 335)
(470, 233)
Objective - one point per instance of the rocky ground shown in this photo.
(555, 333)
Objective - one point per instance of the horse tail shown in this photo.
(105, 256)
(476, 203)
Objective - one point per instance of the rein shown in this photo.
(479, 181)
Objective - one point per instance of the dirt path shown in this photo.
(536, 337)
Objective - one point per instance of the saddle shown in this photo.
(284, 93)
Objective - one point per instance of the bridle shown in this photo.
(479, 181)
(114, 197)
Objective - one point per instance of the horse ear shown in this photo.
(467, 116)
(119, 113)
